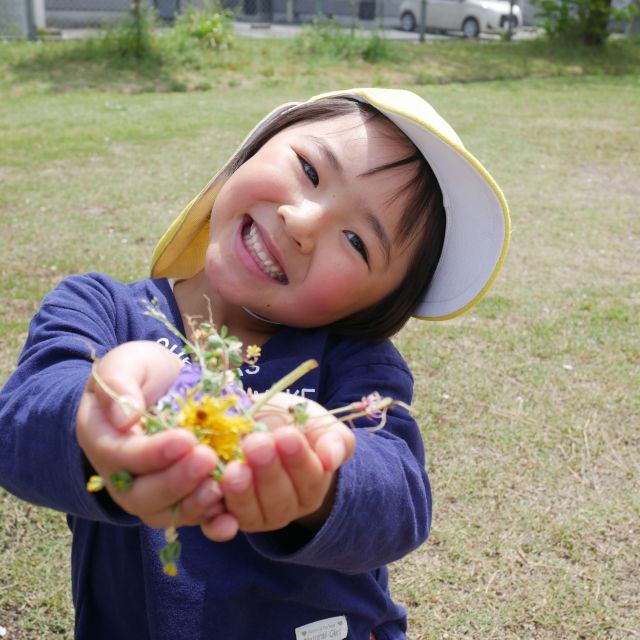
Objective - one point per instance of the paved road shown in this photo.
(276, 30)
(265, 30)
(273, 30)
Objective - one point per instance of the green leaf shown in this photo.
(121, 481)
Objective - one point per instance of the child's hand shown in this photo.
(169, 467)
(289, 474)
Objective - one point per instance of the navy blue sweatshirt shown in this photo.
(265, 586)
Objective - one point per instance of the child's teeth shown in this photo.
(256, 248)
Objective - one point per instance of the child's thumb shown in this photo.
(132, 377)
(121, 399)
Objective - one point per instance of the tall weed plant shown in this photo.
(377, 48)
(132, 37)
(327, 38)
(210, 25)
(138, 37)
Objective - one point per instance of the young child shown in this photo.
(336, 220)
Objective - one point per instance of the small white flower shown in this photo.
(3, 632)
(567, 367)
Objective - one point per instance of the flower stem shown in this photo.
(282, 384)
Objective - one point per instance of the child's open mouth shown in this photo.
(263, 258)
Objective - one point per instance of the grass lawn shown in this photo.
(529, 403)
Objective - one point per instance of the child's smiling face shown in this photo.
(300, 234)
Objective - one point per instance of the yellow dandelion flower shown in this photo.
(252, 354)
(207, 418)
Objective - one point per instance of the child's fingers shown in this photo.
(274, 490)
(154, 492)
(333, 444)
(183, 516)
(205, 502)
(202, 505)
(282, 481)
(220, 528)
(140, 454)
(240, 497)
(304, 468)
(121, 401)
(110, 450)
(336, 441)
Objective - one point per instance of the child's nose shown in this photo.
(302, 221)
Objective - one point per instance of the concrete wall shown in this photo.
(21, 18)
(13, 19)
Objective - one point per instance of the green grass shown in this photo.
(315, 60)
(529, 403)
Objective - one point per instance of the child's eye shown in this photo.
(357, 244)
(309, 171)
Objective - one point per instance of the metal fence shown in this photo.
(70, 13)
(366, 13)
(305, 10)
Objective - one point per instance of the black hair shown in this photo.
(423, 219)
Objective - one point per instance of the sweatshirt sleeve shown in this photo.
(40, 459)
(382, 508)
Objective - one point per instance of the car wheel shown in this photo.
(408, 21)
(470, 28)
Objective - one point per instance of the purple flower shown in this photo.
(244, 401)
(188, 378)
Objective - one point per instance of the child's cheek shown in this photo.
(330, 296)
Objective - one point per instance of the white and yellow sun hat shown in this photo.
(477, 214)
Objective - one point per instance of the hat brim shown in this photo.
(477, 214)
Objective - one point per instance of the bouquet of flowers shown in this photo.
(208, 399)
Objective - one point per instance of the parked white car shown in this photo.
(472, 17)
